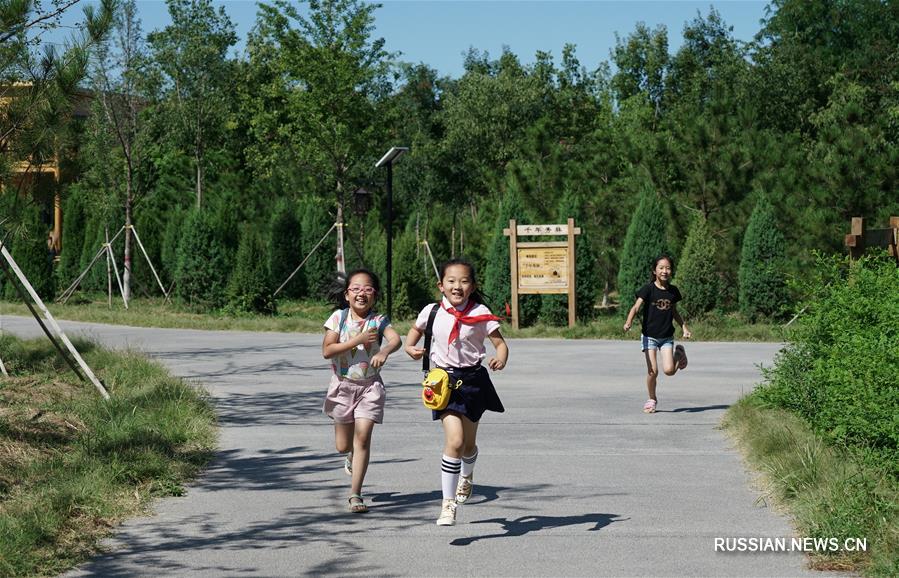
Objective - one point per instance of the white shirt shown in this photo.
(465, 351)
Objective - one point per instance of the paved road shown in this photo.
(573, 480)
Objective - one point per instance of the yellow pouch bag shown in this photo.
(436, 389)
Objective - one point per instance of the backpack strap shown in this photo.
(381, 327)
(344, 313)
(429, 331)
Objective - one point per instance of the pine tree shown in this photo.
(554, 308)
(30, 251)
(646, 239)
(67, 270)
(250, 286)
(762, 278)
(320, 270)
(284, 249)
(412, 276)
(203, 266)
(696, 277)
(497, 288)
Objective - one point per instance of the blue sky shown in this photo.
(439, 32)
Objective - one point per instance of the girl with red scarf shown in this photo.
(461, 325)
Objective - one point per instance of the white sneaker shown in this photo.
(463, 490)
(447, 513)
(348, 464)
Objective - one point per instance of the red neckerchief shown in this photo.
(463, 317)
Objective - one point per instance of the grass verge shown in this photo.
(309, 316)
(72, 465)
(828, 492)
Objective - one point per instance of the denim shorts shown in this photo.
(653, 343)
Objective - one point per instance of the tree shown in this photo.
(203, 266)
(191, 59)
(646, 239)
(284, 252)
(697, 276)
(326, 72)
(250, 286)
(763, 287)
(38, 92)
(120, 66)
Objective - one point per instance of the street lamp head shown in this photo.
(390, 156)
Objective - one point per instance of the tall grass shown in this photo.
(829, 492)
(73, 465)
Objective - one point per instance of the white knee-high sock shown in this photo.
(468, 463)
(449, 476)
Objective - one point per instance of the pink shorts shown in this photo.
(351, 399)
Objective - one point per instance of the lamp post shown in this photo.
(387, 160)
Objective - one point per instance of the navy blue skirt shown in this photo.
(474, 397)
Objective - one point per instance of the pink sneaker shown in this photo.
(681, 354)
(649, 406)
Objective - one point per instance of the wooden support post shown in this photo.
(513, 267)
(855, 240)
(571, 273)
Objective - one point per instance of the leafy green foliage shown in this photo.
(646, 239)
(839, 371)
(250, 286)
(762, 276)
(697, 278)
(203, 266)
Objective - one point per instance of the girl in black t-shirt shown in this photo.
(657, 329)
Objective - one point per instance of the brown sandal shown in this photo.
(357, 505)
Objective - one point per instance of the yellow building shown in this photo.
(42, 178)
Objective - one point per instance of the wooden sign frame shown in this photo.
(569, 231)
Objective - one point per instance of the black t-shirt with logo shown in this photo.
(658, 310)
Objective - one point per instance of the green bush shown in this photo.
(839, 371)
(762, 274)
(645, 240)
(250, 286)
(697, 278)
(203, 263)
(284, 249)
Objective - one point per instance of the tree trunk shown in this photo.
(199, 180)
(126, 274)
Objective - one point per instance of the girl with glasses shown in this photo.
(356, 395)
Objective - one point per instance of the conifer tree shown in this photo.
(762, 278)
(284, 249)
(250, 286)
(203, 266)
(72, 239)
(29, 249)
(496, 280)
(320, 270)
(696, 277)
(554, 308)
(646, 239)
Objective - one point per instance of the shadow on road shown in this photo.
(526, 524)
(696, 409)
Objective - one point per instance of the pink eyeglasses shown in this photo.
(367, 289)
